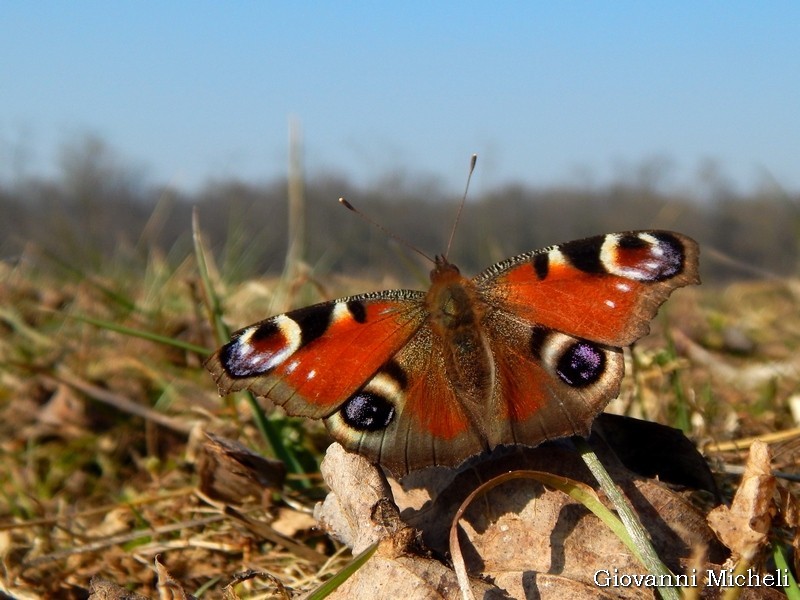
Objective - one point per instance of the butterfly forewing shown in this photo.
(312, 359)
(605, 288)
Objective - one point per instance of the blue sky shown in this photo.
(546, 93)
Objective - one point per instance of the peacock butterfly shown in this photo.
(527, 351)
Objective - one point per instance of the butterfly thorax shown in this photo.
(452, 300)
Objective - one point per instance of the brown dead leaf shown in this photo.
(291, 522)
(168, 587)
(532, 539)
(545, 586)
(102, 589)
(64, 414)
(230, 472)
(789, 514)
(356, 488)
(521, 530)
(789, 508)
(670, 520)
(116, 521)
(745, 525)
(388, 576)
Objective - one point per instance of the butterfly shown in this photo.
(527, 351)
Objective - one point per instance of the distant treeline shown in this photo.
(96, 210)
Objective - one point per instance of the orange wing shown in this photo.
(557, 319)
(312, 359)
(605, 289)
(370, 366)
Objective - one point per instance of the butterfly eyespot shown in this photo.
(258, 349)
(230, 356)
(367, 411)
(581, 364)
(643, 256)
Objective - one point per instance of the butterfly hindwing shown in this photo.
(409, 416)
(547, 384)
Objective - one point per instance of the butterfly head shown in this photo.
(444, 270)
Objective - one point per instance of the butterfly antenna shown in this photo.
(472, 162)
(385, 230)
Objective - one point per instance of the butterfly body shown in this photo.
(456, 314)
(528, 350)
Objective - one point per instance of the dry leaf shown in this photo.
(230, 472)
(745, 525)
(670, 517)
(356, 488)
(389, 576)
(290, 522)
(102, 589)
(64, 414)
(545, 586)
(790, 516)
(117, 520)
(533, 540)
(521, 529)
(168, 587)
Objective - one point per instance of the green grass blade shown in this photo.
(635, 531)
(140, 333)
(221, 330)
(266, 428)
(343, 574)
(792, 591)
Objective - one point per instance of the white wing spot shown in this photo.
(650, 239)
(555, 257)
(608, 253)
(340, 312)
(554, 346)
(292, 366)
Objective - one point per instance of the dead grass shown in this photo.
(99, 429)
